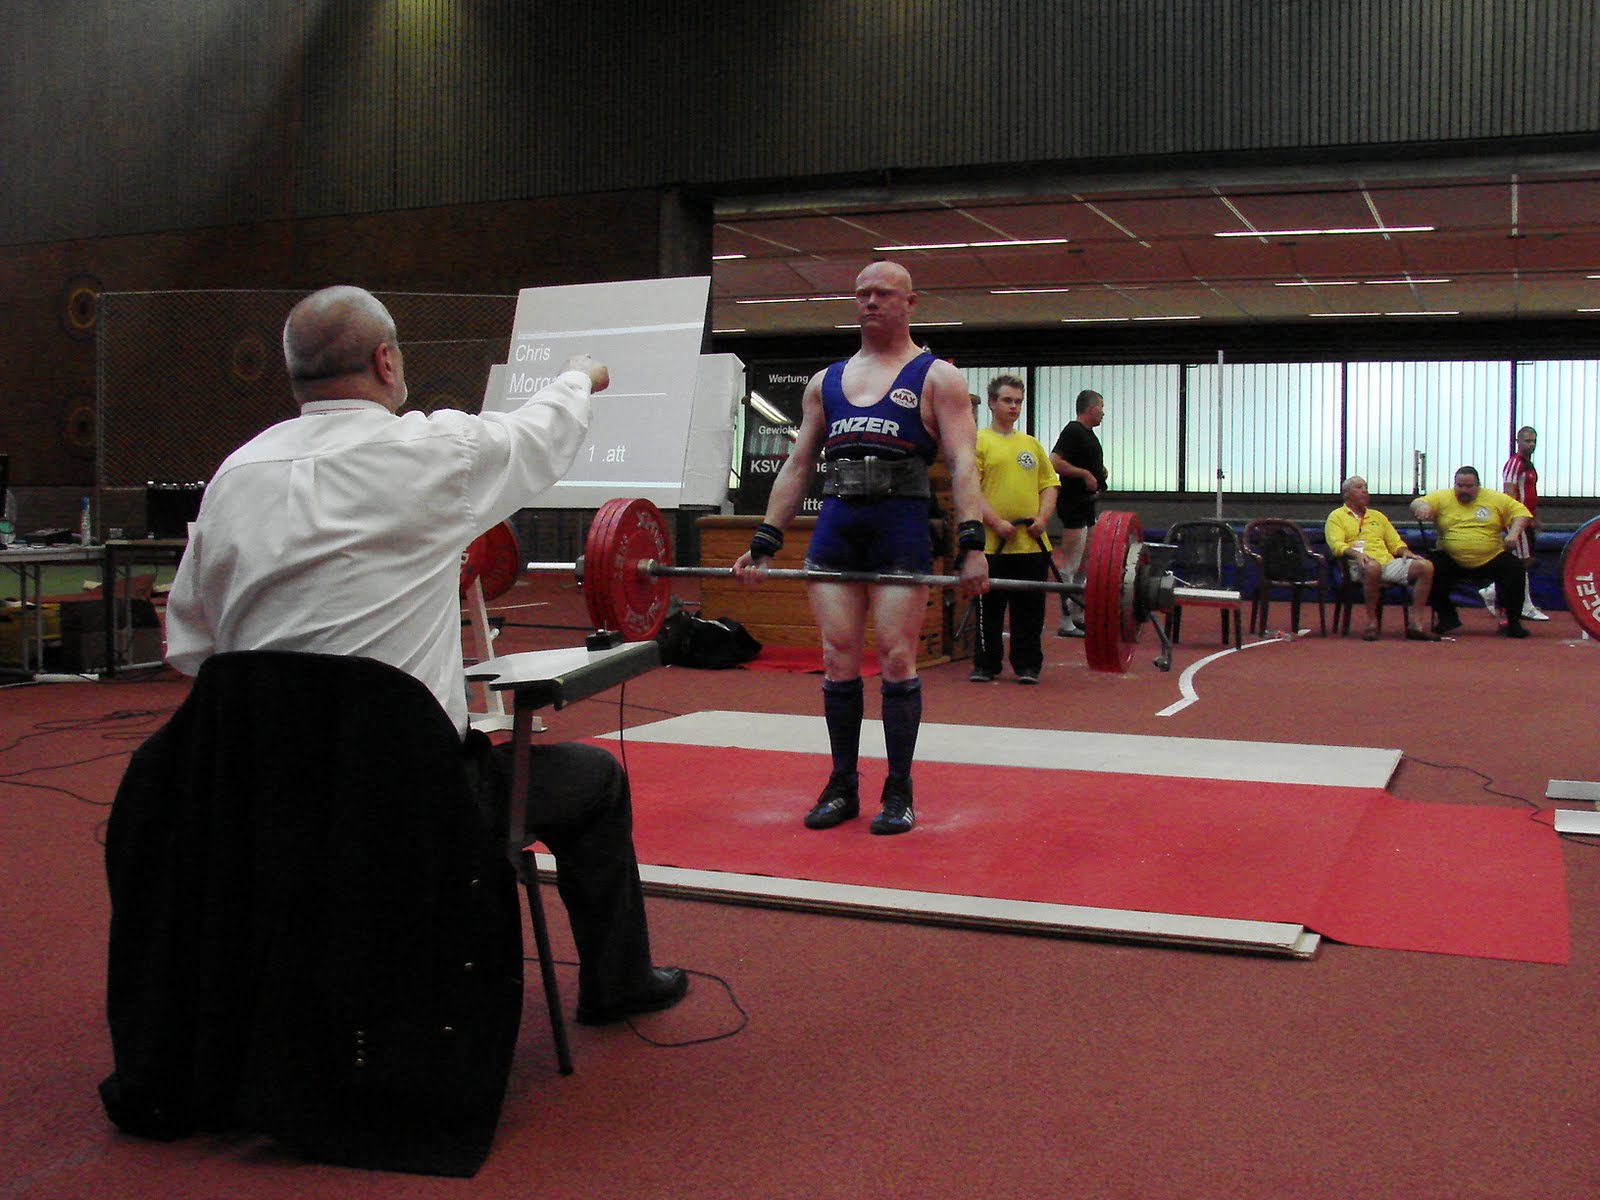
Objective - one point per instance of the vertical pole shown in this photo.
(1217, 416)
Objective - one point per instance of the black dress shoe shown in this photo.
(666, 987)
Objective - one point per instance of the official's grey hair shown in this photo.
(334, 332)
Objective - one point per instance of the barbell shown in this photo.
(628, 559)
(627, 563)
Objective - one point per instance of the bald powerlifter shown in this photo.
(877, 420)
(340, 531)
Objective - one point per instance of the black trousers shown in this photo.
(1504, 570)
(1027, 615)
(579, 805)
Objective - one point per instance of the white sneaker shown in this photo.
(1530, 613)
(1489, 598)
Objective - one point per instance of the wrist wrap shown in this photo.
(969, 536)
(766, 541)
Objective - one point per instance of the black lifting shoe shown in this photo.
(896, 816)
(839, 801)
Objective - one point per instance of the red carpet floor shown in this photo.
(802, 660)
(1355, 865)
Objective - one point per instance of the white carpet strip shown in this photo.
(973, 912)
(1048, 749)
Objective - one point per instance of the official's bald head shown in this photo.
(335, 337)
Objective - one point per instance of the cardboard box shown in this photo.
(15, 624)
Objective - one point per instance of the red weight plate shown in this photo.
(597, 592)
(1580, 577)
(502, 563)
(636, 602)
(642, 535)
(1111, 623)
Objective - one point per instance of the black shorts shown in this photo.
(1076, 514)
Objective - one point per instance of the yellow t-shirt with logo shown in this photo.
(1472, 534)
(1013, 469)
(1379, 539)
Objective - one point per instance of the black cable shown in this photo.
(744, 1016)
(637, 707)
(622, 724)
(1488, 786)
(15, 776)
(80, 725)
(85, 724)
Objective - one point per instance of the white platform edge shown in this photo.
(1048, 749)
(1577, 820)
(1014, 916)
(1573, 789)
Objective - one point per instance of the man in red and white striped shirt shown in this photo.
(1520, 481)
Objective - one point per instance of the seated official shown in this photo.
(1374, 554)
(340, 531)
(1478, 531)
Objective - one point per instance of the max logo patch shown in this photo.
(905, 398)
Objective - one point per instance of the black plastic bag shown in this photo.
(690, 641)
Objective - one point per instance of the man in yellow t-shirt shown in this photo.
(1375, 554)
(1018, 487)
(1478, 530)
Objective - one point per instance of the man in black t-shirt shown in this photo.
(1080, 461)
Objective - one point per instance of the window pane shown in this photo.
(1456, 413)
(1562, 401)
(1280, 427)
(1140, 432)
(978, 385)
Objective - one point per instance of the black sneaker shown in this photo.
(838, 803)
(1027, 677)
(979, 675)
(896, 816)
(1513, 629)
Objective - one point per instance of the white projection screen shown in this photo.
(648, 332)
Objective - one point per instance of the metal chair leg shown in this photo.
(547, 967)
(522, 722)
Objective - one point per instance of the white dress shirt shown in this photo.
(341, 531)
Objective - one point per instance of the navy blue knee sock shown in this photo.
(842, 707)
(902, 716)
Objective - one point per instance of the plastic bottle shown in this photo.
(85, 531)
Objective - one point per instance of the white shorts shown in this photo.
(1396, 570)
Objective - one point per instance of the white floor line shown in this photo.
(1186, 680)
(1048, 749)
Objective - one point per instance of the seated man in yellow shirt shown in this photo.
(1478, 531)
(1375, 554)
